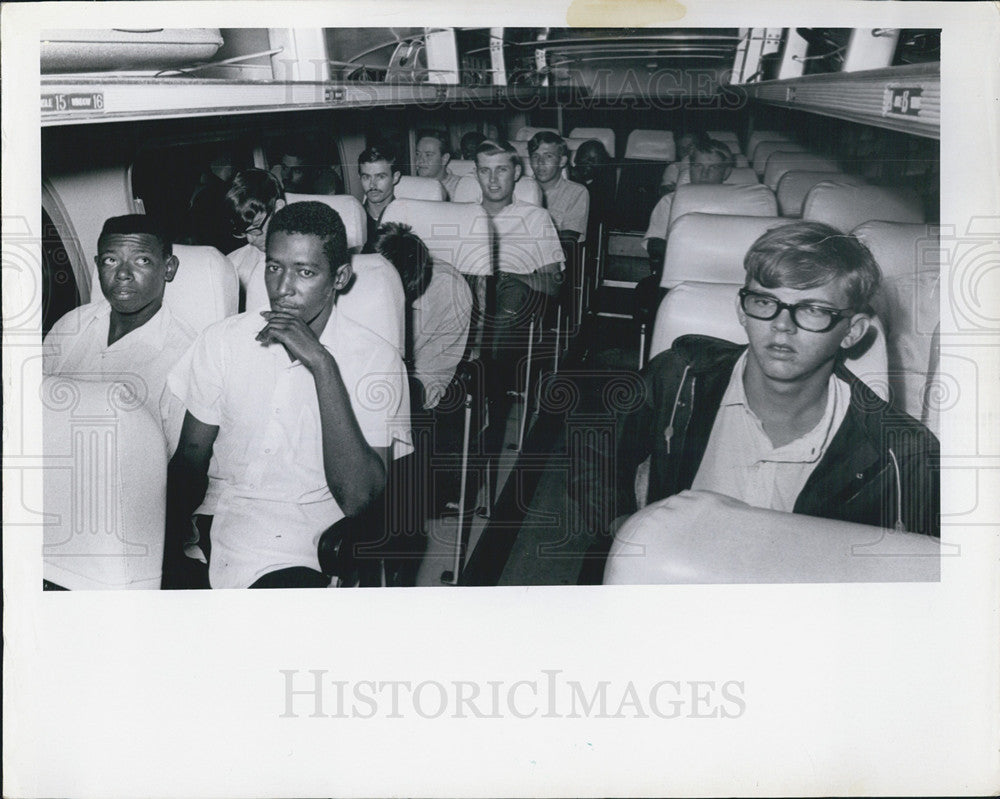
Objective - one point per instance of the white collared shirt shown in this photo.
(568, 203)
(267, 486)
(77, 346)
(741, 462)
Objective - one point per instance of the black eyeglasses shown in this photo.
(814, 318)
(253, 230)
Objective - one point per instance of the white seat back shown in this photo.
(908, 303)
(741, 175)
(412, 187)
(459, 167)
(767, 148)
(526, 133)
(651, 145)
(795, 185)
(204, 290)
(605, 136)
(709, 309)
(782, 162)
(456, 233)
(740, 161)
(710, 248)
(350, 210)
(105, 487)
(727, 137)
(846, 205)
(739, 199)
(526, 190)
(765, 135)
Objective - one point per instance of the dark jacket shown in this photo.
(881, 467)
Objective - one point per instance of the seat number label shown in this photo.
(61, 103)
(902, 101)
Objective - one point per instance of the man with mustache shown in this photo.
(379, 176)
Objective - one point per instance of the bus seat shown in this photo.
(348, 208)
(204, 290)
(375, 299)
(741, 175)
(741, 199)
(458, 233)
(459, 167)
(522, 153)
(526, 133)
(709, 309)
(793, 187)
(727, 137)
(105, 487)
(651, 145)
(418, 188)
(665, 543)
(605, 136)
(740, 161)
(782, 162)
(908, 303)
(845, 206)
(526, 190)
(766, 148)
(710, 248)
(758, 136)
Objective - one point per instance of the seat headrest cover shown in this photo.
(350, 210)
(742, 175)
(605, 136)
(526, 134)
(460, 167)
(901, 248)
(846, 206)
(710, 248)
(204, 290)
(375, 298)
(412, 187)
(783, 161)
(739, 199)
(651, 145)
(455, 232)
(766, 148)
(795, 185)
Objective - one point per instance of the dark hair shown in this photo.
(803, 255)
(378, 152)
(499, 147)
(314, 218)
(137, 223)
(439, 136)
(707, 146)
(548, 137)
(406, 251)
(252, 192)
(594, 146)
(469, 142)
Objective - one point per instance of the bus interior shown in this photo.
(830, 124)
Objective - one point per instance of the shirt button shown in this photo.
(267, 452)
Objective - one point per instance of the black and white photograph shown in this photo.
(633, 375)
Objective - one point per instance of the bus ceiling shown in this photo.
(885, 77)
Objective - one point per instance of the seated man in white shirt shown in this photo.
(567, 202)
(292, 414)
(252, 199)
(129, 334)
(433, 155)
(529, 265)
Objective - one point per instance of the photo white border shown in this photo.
(848, 689)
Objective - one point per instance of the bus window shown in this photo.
(305, 164)
(185, 185)
(59, 292)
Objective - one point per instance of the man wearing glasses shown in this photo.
(252, 199)
(782, 423)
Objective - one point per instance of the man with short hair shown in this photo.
(130, 335)
(252, 199)
(433, 155)
(567, 202)
(279, 442)
(469, 142)
(710, 162)
(529, 265)
(781, 423)
(379, 176)
(677, 173)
